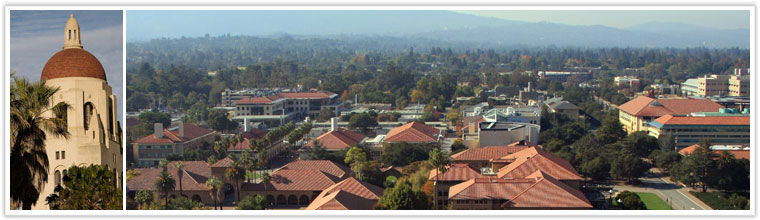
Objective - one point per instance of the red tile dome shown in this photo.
(73, 62)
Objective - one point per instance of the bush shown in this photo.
(390, 181)
(257, 202)
(630, 201)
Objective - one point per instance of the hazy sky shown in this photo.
(626, 18)
(37, 35)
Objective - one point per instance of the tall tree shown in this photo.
(440, 161)
(357, 159)
(144, 198)
(235, 173)
(180, 172)
(216, 186)
(165, 184)
(31, 122)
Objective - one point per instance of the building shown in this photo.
(515, 163)
(563, 76)
(230, 97)
(664, 89)
(714, 85)
(628, 82)
(535, 191)
(687, 130)
(95, 132)
(149, 150)
(285, 106)
(504, 133)
(522, 114)
(251, 134)
(349, 194)
(337, 138)
(690, 87)
(635, 114)
(739, 151)
(414, 132)
(738, 85)
(557, 105)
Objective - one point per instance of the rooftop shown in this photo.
(646, 106)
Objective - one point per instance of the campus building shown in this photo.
(151, 149)
(95, 132)
(687, 130)
(635, 114)
(285, 106)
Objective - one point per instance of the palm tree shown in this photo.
(180, 172)
(165, 183)
(216, 189)
(439, 160)
(30, 124)
(234, 174)
(265, 179)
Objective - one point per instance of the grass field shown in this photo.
(653, 202)
(716, 200)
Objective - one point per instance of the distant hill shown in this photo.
(437, 25)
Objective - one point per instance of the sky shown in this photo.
(36, 35)
(724, 19)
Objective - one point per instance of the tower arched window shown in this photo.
(75, 34)
(69, 34)
(87, 115)
(63, 115)
(57, 178)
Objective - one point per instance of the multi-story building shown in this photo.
(738, 85)
(229, 97)
(690, 87)
(557, 105)
(635, 114)
(278, 108)
(149, 150)
(504, 133)
(665, 89)
(628, 81)
(719, 128)
(714, 85)
(563, 76)
(95, 135)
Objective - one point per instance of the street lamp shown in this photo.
(611, 191)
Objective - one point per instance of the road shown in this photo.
(675, 195)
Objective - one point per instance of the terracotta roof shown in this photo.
(486, 153)
(226, 162)
(412, 132)
(295, 180)
(456, 172)
(194, 178)
(537, 190)
(260, 100)
(240, 146)
(255, 133)
(73, 62)
(703, 120)
(645, 106)
(172, 135)
(533, 158)
(307, 95)
(339, 139)
(738, 154)
(548, 193)
(386, 169)
(358, 195)
(326, 166)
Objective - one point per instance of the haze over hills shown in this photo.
(444, 26)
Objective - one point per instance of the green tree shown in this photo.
(165, 184)
(183, 203)
(87, 188)
(402, 197)
(216, 189)
(358, 160)
(641, 144)
(30, 125)
(257, 202)
(401, 154)
(235, 173)
(325, 115)
(738, 202)
(630, 201)
(180, 172)
(362, 121)
(596, 169)
(628, 167)
(611, 130)
(217, 120)
(144, 198)
(440, 161)
(150, 118)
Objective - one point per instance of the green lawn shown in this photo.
(653, 202)
(716, 200)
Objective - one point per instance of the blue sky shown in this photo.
(36, 35)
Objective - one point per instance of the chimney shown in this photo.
(181, 129)
(334, 124)
(245, 124)
(158, 130)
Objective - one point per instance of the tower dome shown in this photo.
(72, 61)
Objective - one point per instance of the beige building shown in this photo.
(636, 114)
(738, 86)
(713, 85)
(96, 136)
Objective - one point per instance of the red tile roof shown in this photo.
(194, 178)
(326, 166)
(537, 190)
(295, 180)
(486, 153)
(391, 167)
(240, 146)
(307, 95)
(456, 172)
(339, 139)
(255, 133)
(349, 194)
(172, 135)
(703, 120)
(73, 62)
(226, 162)
(645, 106)
(738, 154)
(259, 100)
(533, 158)
(412, 132)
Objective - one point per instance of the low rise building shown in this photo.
(739, 151)
(738, 85)
(557, 105)
(686, 130)
(337, 138)
(414, 132)
(628, 82)
(149, 150)
(563, 76)
(690, 87)
(281, 107)
(665, 89)
(635, 114)
(504, 133)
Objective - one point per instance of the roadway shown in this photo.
(675, 195)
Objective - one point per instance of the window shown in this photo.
(63, 155)
(57, 155)
(57, 178)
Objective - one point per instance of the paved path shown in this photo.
(675, 195)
